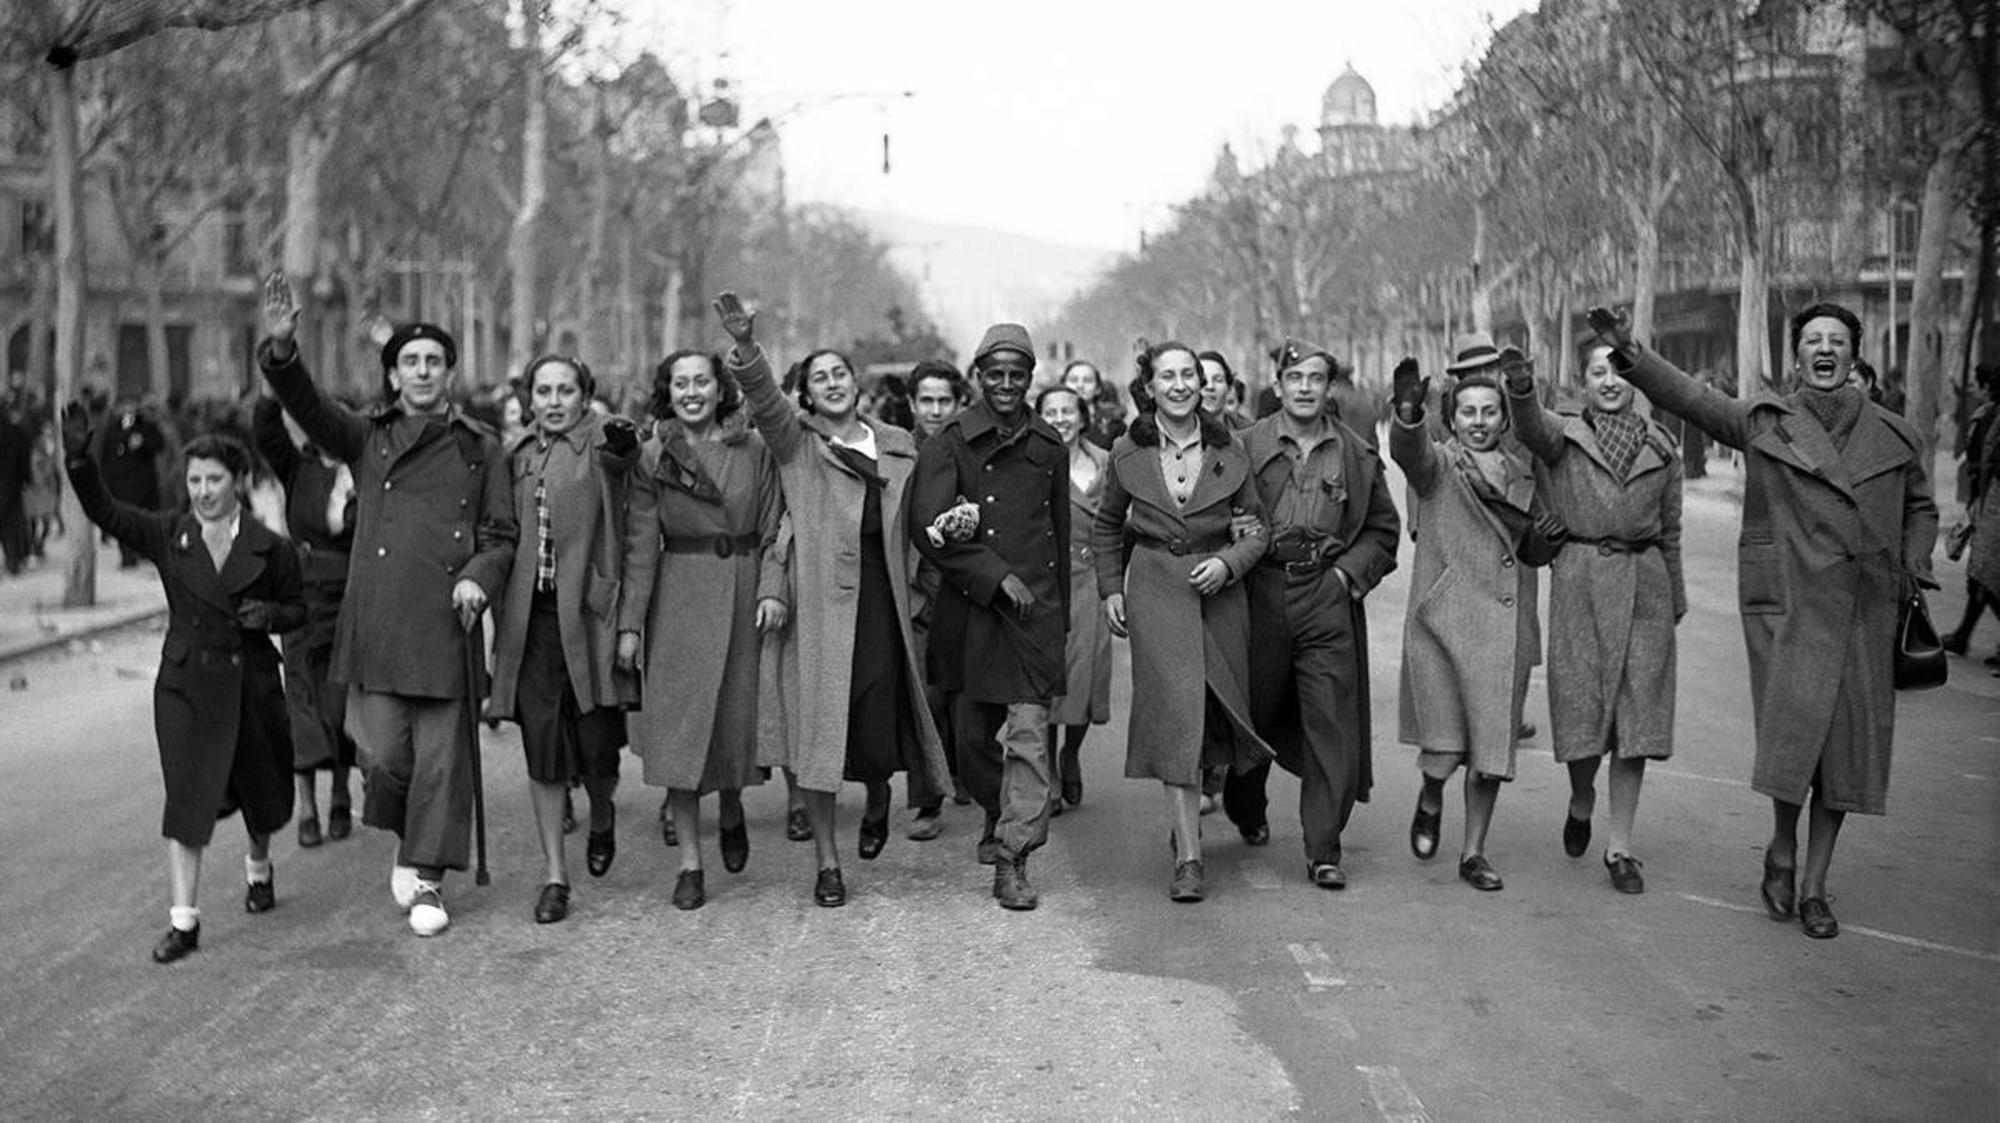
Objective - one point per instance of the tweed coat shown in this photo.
(432, 505)
(1361, 530)
(824, 499)
(704, 693)
(1830, 540)
(585, 484)
(218, 702)
(1611, 612)
(1185, 647)
(1468, 635)
(1086, 696)
(978, 644)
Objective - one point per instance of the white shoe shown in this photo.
(427, 915)
(403, 886)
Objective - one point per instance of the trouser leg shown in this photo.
(1024, 777)
(980, 756)
(438, 821)
(1244, 799)
(380, 724)
(1326, 670)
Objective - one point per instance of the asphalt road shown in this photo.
(1409, 996)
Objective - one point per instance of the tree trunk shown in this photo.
(66, 171)
(152, 279)
(670, 311)
(1925, 375)
(523, 257)
(1482, 293)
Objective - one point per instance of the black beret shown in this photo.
(410, 333)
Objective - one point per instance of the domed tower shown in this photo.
(1349, 135)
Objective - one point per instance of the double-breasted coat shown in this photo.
(696, 607)
(824, 498)
(1086, 696)
(584, 482)
(978, 644)
(218, 702)
(1831, 539)
(1468, 633)
(1186, 648)
(1613, 603)
(432, 505)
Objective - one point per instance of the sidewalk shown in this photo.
(33, 620)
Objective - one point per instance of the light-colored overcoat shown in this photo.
(697, 612)
(1468, 634)
(1181, 640)
(1611, 611)
(825, 498)
(1830, 539)
(585, 485)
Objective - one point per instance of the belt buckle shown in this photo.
(1304, 568)
(723, 546)
(1178, 547)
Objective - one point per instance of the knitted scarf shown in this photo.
(1835, 410)
(1619, 435)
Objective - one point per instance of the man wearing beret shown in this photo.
(1002, 614)
(434, 534)
(1333, 534)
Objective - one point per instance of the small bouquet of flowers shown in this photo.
(957, 524)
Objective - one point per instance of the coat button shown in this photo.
(388, 485)
(236, 660)
(457, 535)
(989, 499)
(461, 502)
(1508, 601)
(381, 551)
(1507, 563)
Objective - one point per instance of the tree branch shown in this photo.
(365, 40)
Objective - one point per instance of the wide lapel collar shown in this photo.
(245, 560)
(1578, 432)
(1087, 498)
(825, 442)
(1461, 462)
(1801, 441)
(197, 568)
(1140, 473)
(1220, 477)
(1874, 447)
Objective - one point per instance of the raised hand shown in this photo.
(620, 436)
(1614, 328)
(75, 430)
(739, 322)
(1517, 370)
(1410, 390)
(281, 310)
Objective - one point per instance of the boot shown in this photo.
(1010, 883)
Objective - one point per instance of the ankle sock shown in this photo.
(184, 917)
(256, 872)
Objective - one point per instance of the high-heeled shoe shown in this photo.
(1778, 888)
(735, 843)
(874, 834)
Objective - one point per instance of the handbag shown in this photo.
(1920, 662)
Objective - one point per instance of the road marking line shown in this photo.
(1695, 776)
(1975, 775)
(1892, 937)
(1315, 965)
(1393, 1099)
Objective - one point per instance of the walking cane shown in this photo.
(479, 876)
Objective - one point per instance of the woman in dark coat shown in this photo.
(1615, 594)
(319, 510)
(703, 586)
(1087, 700)
(1175, 481)
(1838, 527)
(218, 702)
(554, 639)
(855, 706)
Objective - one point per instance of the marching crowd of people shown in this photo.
(765, 576)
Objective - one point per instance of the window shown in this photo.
(38, 232)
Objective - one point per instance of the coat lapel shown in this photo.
(1874, 448)
(245, 562)
(1220, 477)
(197, 568)
(1139, 472)
(1797, 440)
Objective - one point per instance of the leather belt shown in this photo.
(721, 545)
(1610, 546)
(1181, 547)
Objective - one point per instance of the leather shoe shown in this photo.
(735, 847)
(1956, 642)
(339, 824)
(261, 896)
(177, 944)
(599, 850)
(1817, 919)
(798, 827)
(1187, 881)
(927, 824)
(1328, 875)
(1010, 884)
(874, 835)
(1576, 835)
(1072, 789)
(829, 892)
(1424, 828)
(1479, 873)
(1525, 731)
(553, 905)
(1778, 889)
(1256, 835)
(309, 834)
(1625, 873)
(689, 891)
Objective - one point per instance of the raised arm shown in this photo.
(145, 531)
(1670, 535)
(769, 411)
(274, 444)
(331, 426)
(1409, 440)
(1722, 417)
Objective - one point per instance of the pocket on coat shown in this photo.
(1760, 587)
(601, 596)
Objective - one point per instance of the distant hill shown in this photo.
(972, 276)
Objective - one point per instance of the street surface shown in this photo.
(1409, 996)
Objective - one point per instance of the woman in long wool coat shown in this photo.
(555, 640)
(1087, 651)
(1175, 482)
(703, 586)
(1838, 526)
(858, 710)
(1614, 479)
(1468, 636)
(218, 703)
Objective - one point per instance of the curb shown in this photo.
(44, 644)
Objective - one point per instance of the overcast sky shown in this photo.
(1078, 121)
